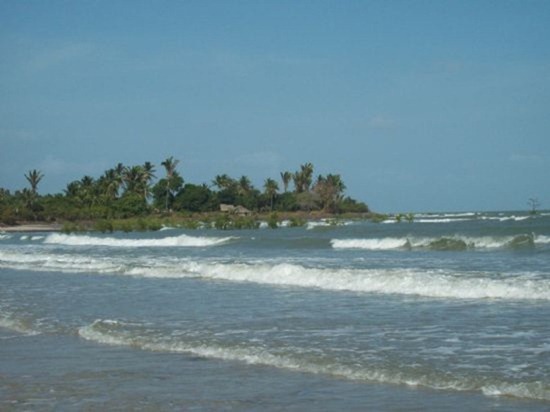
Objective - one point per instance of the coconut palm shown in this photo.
(245, 185)
(303, 178)
(307, 173)
(330, 190)
(286, 177)
(223, 182)
(147, 176)
(34, 177)
(170, 166)
(137, 179)
(110, 183)
(271, 187)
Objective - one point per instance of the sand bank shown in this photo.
(35, 227)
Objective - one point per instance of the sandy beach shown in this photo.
(35, 227)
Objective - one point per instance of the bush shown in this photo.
(297, 222)
(222, 222)
(103, 226)
(273, 221)
(8, 217)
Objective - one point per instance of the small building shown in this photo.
(227, 208)
(236, 210)
(242, 211)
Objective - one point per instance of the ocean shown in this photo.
(448, 312)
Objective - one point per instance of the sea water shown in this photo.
(448, 312)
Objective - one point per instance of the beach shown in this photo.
(34, 227)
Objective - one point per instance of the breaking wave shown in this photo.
(449, 243)
(22, 326)
(426, 283)
(118, 333)
(172, 241)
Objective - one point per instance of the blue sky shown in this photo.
(419, 105)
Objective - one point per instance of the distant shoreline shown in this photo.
(35, 227)
(178, 221)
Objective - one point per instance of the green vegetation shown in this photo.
(128, 198)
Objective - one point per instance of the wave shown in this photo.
(462, 217)
(118, 333)
(449, 243)
(172, 241)
(401, 281)
(387, 243)
(446, 215)
(22, 326)
(441, 220)
(435, 284)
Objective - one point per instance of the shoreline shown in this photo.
(183, 221)
(35, 227)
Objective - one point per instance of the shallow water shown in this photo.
(447, 313)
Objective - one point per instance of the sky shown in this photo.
(418, 105)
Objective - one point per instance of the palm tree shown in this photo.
(223, 182)
(34, 177)
(330, 190)
(286, 177)
(137, 179)
(307, 173)
(303, 178)
(271, 187)
(110, 183)
(147, 176)
(245, 185)
(170, 166)
(132, 177)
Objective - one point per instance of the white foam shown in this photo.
(472, 242)
(59, 262)
(543, 240)
(405, 281)
(253, 355)
(438, 284)
(370, 244)
(533, 390)
(173, 241)
(16, 325)
(314, 224)
(440, 220)
(116, 333)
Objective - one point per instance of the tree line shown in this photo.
(132, 191)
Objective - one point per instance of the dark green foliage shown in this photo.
(286, 202)
(273, 221)
(124, 198)
(129, 205)
(297, 222)
(8, 216)
(349, 205)
(222, 222)
(103, 225)
(196, 198)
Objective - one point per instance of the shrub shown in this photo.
(273, 221)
